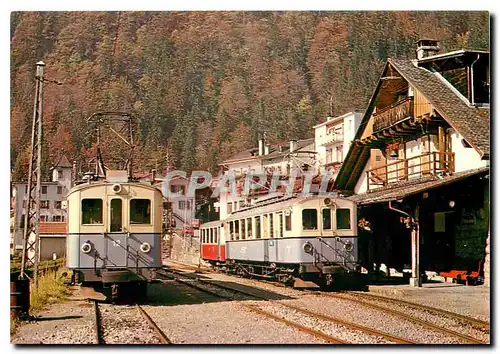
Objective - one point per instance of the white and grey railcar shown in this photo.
(114, 233)
(310, 238)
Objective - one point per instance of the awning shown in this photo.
(407, 188)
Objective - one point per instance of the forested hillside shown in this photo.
(204, 85)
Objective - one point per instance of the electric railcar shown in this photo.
(114, 235)
(298, 240)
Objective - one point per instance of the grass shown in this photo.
(51, 289)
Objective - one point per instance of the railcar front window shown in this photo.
(327, 219)
(344, 219)
(310, 219)
(116, 215)
(91, 211)
(140, 211)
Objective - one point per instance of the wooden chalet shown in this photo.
(422, 149)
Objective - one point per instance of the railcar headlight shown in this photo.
(348, 247)
(145, 247)
(86, 247)
(307, 247)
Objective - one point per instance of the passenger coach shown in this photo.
(307, 238)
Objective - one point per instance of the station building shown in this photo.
(419, 164)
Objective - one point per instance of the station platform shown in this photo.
(467, 300)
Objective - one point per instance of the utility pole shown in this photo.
(32, 216)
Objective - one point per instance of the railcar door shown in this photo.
(116, 239)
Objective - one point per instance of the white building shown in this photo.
(52, 195)
(333, 138)
(285, 159)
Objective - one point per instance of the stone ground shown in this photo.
(467, 300)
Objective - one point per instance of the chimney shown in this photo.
(267, 149)
(427, 48)
(293, 145)
(261, 147)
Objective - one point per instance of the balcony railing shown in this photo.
(333, 138)
(392, 114)
(431, 163)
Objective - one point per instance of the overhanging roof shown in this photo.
(407, 188)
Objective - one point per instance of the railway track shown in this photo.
(321, 335)
(100, 332)
(360, 298)
(453, 315)
(368, 300)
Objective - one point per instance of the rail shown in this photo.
(431, 163)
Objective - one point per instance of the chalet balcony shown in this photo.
(431, 163)
(392, 114)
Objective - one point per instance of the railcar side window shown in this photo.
(257, 227)
(343, 219)
(231, 230)
(271, 225)
(280, 224)
(310, 219)
(243, 230)
(266, 225)
(216, 231)
(288, 222)
(91, 211)
(236, 230)
(249, 228)
(327, 219)
(140, 211)
(211, 235)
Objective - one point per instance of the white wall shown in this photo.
(362, 183)
(465, 158)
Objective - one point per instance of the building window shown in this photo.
(44, 204)
(59, 189)
(184, 204)
(140, 211)
(25, 202)
(26, 189)
(310, 219)
(59, 175)
(43, 218)
(57, 218)
(229, 208)
(44, 189)
(327, 219)
(91, 211)
(173, 188)
(57, 204)
(344, 219)
(339, 156)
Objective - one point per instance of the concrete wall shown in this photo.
(184, 249)
(51, 245)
